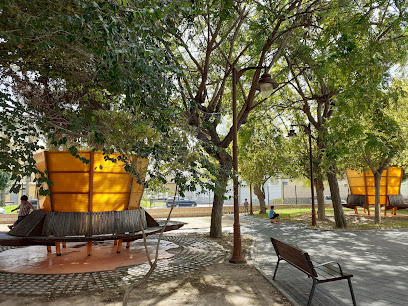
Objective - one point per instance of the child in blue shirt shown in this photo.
(273, 215)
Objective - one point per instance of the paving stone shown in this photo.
(191, 254)
(377, 259)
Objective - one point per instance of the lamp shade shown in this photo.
(266, 85)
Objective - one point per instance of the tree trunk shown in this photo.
(2, 197)
(225, 162)
(261, 197)
(321, 213)
(216, 215)
(339, 217)
(377, 181)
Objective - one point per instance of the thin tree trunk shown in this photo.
(261, 197)
(225, 162)
(339, 217)
(377, 181)
(321, 213)
(216, 215)
(2, 197)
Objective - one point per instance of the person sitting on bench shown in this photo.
(24, 210)
(273, 215)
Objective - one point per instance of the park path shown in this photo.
(377, 259)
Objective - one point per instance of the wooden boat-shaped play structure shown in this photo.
(88, 202)
(362, 189)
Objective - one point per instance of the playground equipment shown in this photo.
(362, 188)
(93, 201)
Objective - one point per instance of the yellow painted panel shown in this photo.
(136, 195)
(107, 182)
(357, 181)
(64, 161)
(70, 202)
(102, 165)
(109, 202)
(69, 182)
(353, 173)
(395, 171)
(370, 190)
(370, 181)
(390, 183)
(70, 190)
(357, 190)
(371, 200)
(394, 190)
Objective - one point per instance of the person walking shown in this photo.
(246, 204)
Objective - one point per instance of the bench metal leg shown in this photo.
(309, 302)
(276, 269)
(352, 292)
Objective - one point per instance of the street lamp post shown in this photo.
(266, 85)
(251, 212)
(308, 130)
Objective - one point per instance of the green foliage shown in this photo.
(4, 180)
(264, 150)
(376, 136)
(88, 74)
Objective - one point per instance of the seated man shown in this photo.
(273, 215)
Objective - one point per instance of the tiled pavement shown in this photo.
(190, 254)
(377, 259)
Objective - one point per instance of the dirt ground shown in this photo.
(221, 284)
(218, 285)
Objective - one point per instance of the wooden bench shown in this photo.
(52, 228)
(320, 273)
(395, 202)
(356, 200)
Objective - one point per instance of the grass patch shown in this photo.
(9, 208)
(354, 222)
(148, 204)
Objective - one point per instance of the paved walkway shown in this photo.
(377, 259)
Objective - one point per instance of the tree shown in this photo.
(87, 74)
(262, 154)
(379, 138)
(211, 38)
(330, 68)
(4, 180)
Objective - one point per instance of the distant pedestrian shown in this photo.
(24, 211)
(246, 204)
(273, 215)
